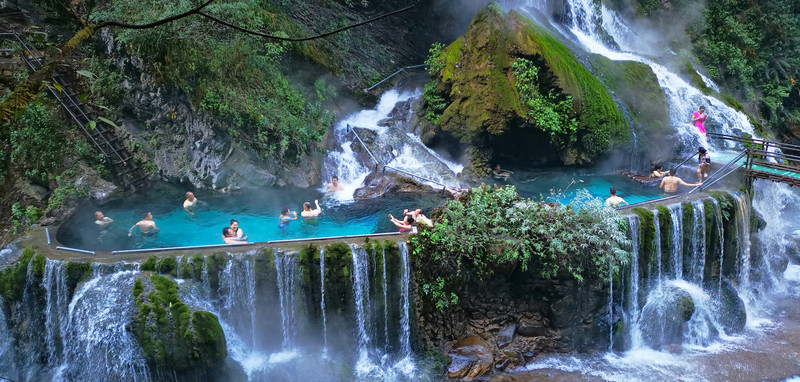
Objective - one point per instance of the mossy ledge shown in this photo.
(171, 335)
(14, 278)
(484, 107)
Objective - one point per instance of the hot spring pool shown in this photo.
(258, 211)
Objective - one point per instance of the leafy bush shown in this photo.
(434, 103)
(489, 229)
(436, 59)
(547, 111)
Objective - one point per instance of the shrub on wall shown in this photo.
(488, 229)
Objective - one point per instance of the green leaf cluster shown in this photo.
(548, 111)
(491, 229)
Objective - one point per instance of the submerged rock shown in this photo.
(469, 358)
(664, 315)
(733, 314)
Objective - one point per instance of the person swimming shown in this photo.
(309, 213)
(284, 219)
(229, 237)
(146, 226)
(238, 233)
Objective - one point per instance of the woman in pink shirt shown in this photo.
(698, 118)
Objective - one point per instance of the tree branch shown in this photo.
(261, 34)
(155, 23)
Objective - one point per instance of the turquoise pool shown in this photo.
(258, 211)
(562, 186)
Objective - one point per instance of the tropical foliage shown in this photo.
(549, 112)
(489, 229)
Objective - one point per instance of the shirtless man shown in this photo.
(229, 237)
(614, 201)
(334, 184)
(147, 226)
(670, 183)
(101, 220)
(190, 202)
(500, 173)
(308, 212)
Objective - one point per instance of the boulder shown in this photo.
(530, 328)
(733, 314)
(506, 336)
(663, 316)
(469, 358)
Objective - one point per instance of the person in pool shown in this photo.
(229, 237)
(670, 183)
(699, 119)
(101, 220)
(237, 232)
(501, 174)
(334, 185)
(190, 203)
(146, 226)
(284, 219)
(407, 224)
(614, 201)
(657, 173)
(704, 163)
(307, 212)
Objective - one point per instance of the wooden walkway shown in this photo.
(767, 159)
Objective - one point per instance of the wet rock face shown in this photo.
(188, 146)
(733, 314)
(470, 358)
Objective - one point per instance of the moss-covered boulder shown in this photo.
(484, 104)
(171, 335)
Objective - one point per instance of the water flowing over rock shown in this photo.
(470, 358)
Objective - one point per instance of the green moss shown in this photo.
(14, 277)
(149, 265)
(38, 265)
(168, 266)
(484, 101)
(665, 224)
(338, 276)
(686, 306)
(170, 334)
(137, 288)
(647, 259)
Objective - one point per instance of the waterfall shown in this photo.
(405, 335)
(606, 33)
(633, 311)
(361, 297)
(95, 339)
(698, 255)
(236, 292)
(285, 267)
(610, 306)
(385, 301)
(721, 238)
(322, 299)
(676, 212)
(743, 222)
(392, 145)
(657, 244)
(56, 310)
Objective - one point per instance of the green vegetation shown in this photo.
(170, 334)
(237, 77)
(14, 278)
(488, 229)
(548, 111)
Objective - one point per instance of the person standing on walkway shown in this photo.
(699, 119)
